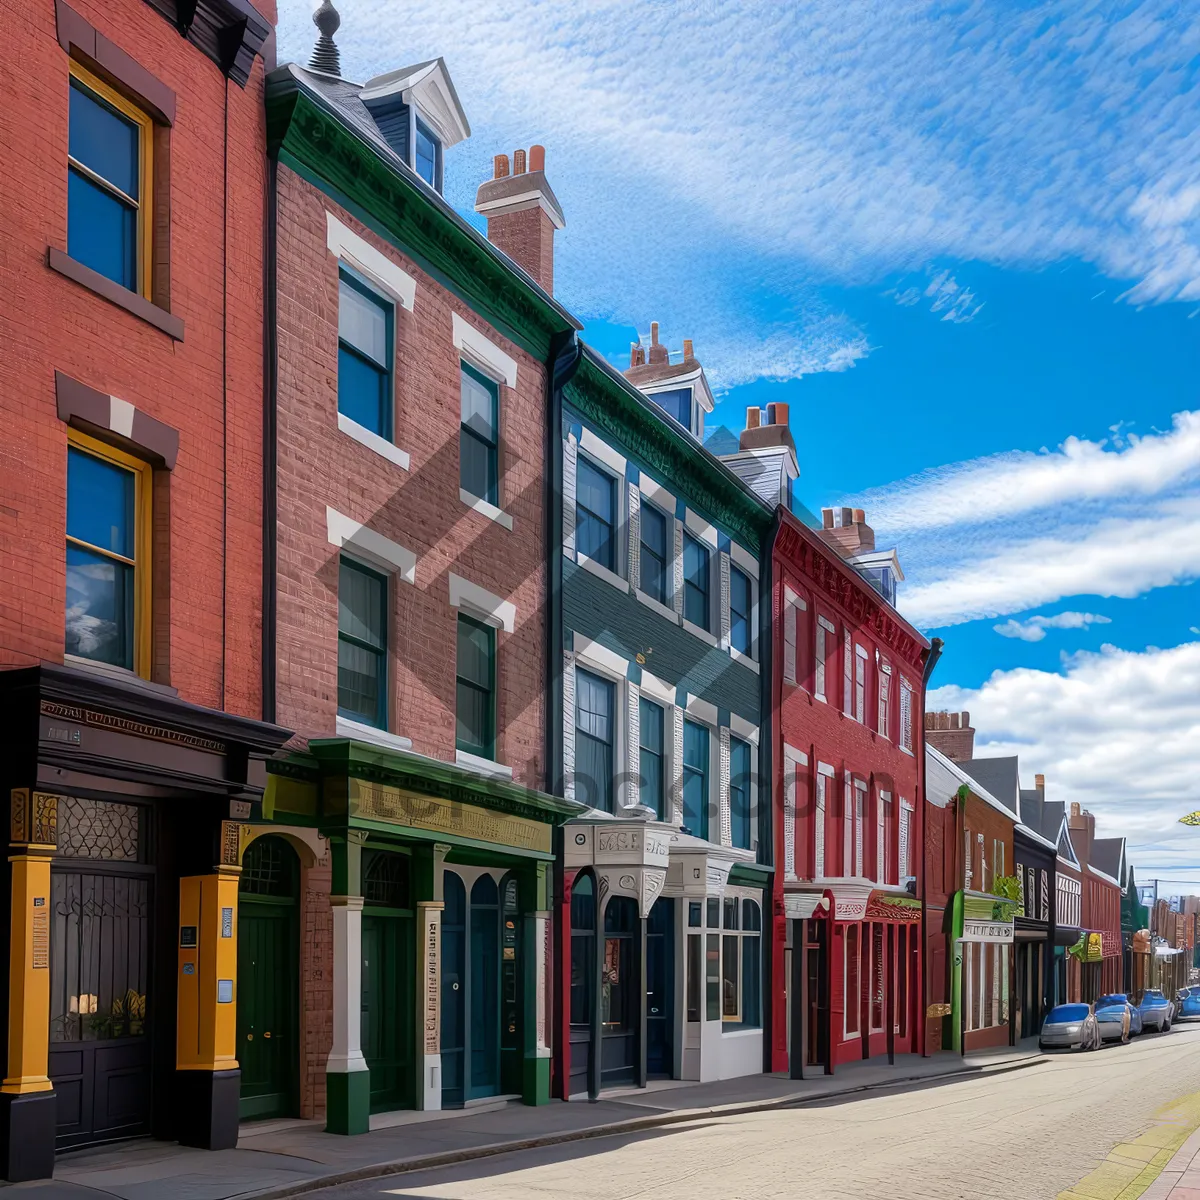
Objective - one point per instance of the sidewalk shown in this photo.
(289, 1158)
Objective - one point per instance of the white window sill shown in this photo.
(702, 634)
(484, 766)
(485, 509)
(905, 750)
(663, 610)
(745, 659)
(369, 733)
(820, 696)
(373, 441)
(602, 572)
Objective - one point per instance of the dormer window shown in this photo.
(676, 403)
(428, 156)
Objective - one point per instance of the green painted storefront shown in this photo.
(440, 903)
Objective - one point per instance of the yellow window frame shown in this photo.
(143, 510)
(145, 200)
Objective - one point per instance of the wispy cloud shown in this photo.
(947, 297)
(1033, 629)
(1114, 730)
(831, 142)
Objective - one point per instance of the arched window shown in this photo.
(484, 893)
(386, 879)
(269, 868)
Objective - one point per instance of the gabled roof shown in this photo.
(429, 86)
(1035, 817)
(1056, 813)
(1108, 855)
(947, 777)
(999, 776)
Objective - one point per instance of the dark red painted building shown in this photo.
(847, 724)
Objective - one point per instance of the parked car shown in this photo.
(1187, 1003)
(1070, 1027)
(1117, 1018)
(1156, 1011)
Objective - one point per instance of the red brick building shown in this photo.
(412, 363)
(847, 721)
(130, 558)
(1100, 952)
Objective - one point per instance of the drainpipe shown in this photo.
(922, 807)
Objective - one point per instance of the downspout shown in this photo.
(922, 807)
(566, 353)
(766, 829)
(270, 445)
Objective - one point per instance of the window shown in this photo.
(741, 634)
(731, 993)
(860, 684)
(819, 832)
(364, 355)
(905, 841)
(877, 973)
(362, 644)
(890, 855)
(906, 716)
(860, 809)
(851, 995)
(740, 796)
(475, 681)
(654, 553)
(751, 963)
(695, 778)
(594, 704)
(825, 633)
(595, 514)
(479, 435)
(651, 759)
(741, 961)
(109, 148)
(695, 581)
(885, 699)
(583, 952)
(676, 403)
(791, 633)
(428, 157)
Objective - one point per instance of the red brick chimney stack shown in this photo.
(522, 213)
(951, 733)
(768, 434)
(846, 529)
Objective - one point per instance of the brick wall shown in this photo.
(208, 387)
(420, 508)
(316, 986)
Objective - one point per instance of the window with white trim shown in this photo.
(825, 632)
(847, 826)
(741, 961)
(791, 621)
(819, 826)
(596, 514)
(860, 684)
(860, 814)
(906, 715)
(851, 986)
(885, 699)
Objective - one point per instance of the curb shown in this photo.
(447, 1158)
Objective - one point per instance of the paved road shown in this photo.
(1025, 1135)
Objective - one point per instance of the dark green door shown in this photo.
(387, 1029)
(511, 1051)
(484, 989)
(268, 981)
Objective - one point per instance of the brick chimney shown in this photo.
(950, 733)
(846, 529)
(768, 434)
(522, 213)
(1039, 782)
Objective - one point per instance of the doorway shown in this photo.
(660, 977)
(471, 1010)
(583, 980)
(268, 979)
(100, 1009)
(388, 1037)
(620, 986)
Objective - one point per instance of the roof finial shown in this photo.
(325, 57)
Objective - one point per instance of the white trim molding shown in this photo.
(744, 729)
(600, 657)
(370, 733)
(483, 353)
(485, 509)
(701, 710)
(482, 766)
(479, 602)
(372, 441)
(347, 534)
(743, 559)
(348, 247)
(601, 451)
(657, 494)
(656, 689)
(697, 526)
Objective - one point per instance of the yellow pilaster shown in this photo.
(206, 1037)
(33, 830)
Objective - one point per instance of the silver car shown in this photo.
(1070, 1027)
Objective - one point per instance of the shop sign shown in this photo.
(849, 909)
(987, 931)
(883, 906)
(937, 1011)
(431, 1016)
(436, 814)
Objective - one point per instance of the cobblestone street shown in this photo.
(1024, 1135)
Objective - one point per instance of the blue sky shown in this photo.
(962, 241)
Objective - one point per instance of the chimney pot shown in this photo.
(654, 333)
(954, 720)
(501, 166)
(537, 158)
(753, 416)
(781, 414)
(966, 720)
(847, 517)
(1039, 782)
(518, 162)
(827, 518)
(687, 349)
(1074, 808)
(859, 516)
(633, 354)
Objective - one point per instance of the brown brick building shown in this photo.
(130, 558)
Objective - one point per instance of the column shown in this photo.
(643, 1003)
(347, 1078)
(207, 1077)
(28, 1107)
(534, 900)
(798, 990)
(428, 864)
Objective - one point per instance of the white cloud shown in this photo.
(1117, 557)
(954, 301)
(1005, 485)
(834, 141)
(1033, 629)
(1116, 731)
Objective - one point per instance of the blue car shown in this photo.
(1187, 1003)
(1118, 1019)
(1156, 1011)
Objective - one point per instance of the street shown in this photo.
(1025, 1135)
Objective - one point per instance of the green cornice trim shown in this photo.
(618, 409)
(302, 125)
(751, 874)
(429, 777)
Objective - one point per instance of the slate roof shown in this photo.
(1036, 814)
(998, 776)
(1108, 855)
